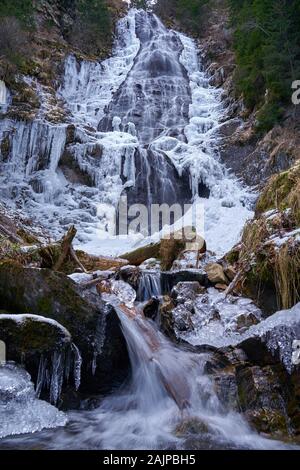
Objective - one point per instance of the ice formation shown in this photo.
(20, 411)
(143, 122)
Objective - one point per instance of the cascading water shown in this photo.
(144, 122)
(167, 400)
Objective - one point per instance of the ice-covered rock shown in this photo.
(20, 411)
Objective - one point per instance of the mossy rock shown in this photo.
(53, 295)
(261, 399)
(27, 335)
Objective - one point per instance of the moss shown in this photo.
(233, 256)
(282, 192)
(45, 305)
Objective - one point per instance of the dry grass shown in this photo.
(287, 274)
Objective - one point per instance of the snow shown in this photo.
(33, 179)
(23, 317)
(214, 324)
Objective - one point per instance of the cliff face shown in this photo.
(36, 41)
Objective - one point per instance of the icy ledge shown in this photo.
(277, 332)
(20, 411)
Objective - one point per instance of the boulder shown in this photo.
(26, 334)
(170, 279)
(94, 326)
(184, 291)
(215, 274)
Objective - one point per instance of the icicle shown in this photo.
(76, 366)
(57, 376)
(116, 124)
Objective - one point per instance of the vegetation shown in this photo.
(267, 44)
(92, 27)
(189, 13)
(22, 10)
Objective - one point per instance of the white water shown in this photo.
(170, 140)
(168, 400)
(162, 98)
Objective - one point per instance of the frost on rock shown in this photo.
(125, 293)
(20, 411)
(217, 320)
(278, 333)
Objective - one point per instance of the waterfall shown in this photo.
(167, 397)
(4, 97)
(145, 123)
(149, 285)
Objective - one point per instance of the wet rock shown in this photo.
(172, 278)
(130, 274)
(215, 274)
(94, 326)
(151, 308)
(261, 399)
(184, 291)
(227, 391)
(192, 426)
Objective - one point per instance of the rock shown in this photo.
(230, 272)
(182, 318)
(172, 278)
(166, 318)
(245, 320)
(186, 291)
(94, 327)
(192, 426)
(26, 334)
(169, 250)
(226, 389)
(129, 274)
(215, 274)
(261, 399)
(151, 264)
(221, 286)
(151, 308)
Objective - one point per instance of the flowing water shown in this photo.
(144, 123)
(168, 403)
